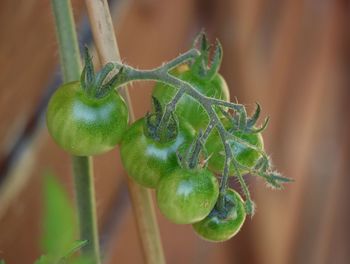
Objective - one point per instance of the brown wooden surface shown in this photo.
(291, 56)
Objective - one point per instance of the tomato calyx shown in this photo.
(201, 66)
(158, 129)
(240, 122)
(98, 85)
(222, 211)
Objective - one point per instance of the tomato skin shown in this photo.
(145, 159)
(85, 126)
(244, 155)
(187, 196)
(188, 108)
(218, 227)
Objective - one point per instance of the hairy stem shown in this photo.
(199, 144)
(160, 75)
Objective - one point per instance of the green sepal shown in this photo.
(216, 61)
(152, 125)
(250, 207)
(254, 118)
(275, 180)
(158, 109)
(263, 164)
(94, 84)
(106, 88)
(200, 66)
(87, 77)
(102, 75)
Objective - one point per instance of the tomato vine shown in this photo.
(239, 118)
(153, 142)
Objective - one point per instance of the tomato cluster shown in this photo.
(185, 194)
(164, 150)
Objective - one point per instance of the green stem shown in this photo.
(161, 75)
(82, 166)
(67, 40)
(202, 138)
(85, 195)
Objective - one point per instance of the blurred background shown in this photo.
(291, 56)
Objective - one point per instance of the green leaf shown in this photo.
(2, 261)
(59, 224)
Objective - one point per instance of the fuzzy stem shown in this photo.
(82, 166)
(202, 138)
(161, 75)
(107, 48)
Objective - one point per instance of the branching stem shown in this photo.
(162, 74)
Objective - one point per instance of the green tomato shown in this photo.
(220, 226)
(85, 126)
(145, 159)
(244, 155)
(188, 108)
(187, 196)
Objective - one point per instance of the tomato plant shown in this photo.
(223, 224)
(89, 117)
(146, 159)
(84, 125)
(187, 196)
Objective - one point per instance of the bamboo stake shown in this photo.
(107, 47)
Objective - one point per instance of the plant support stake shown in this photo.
(103, 32)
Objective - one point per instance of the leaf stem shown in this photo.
(82, 166)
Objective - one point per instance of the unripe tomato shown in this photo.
(220, 226)
(83, 125)
(145, 159)
(187, 196)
